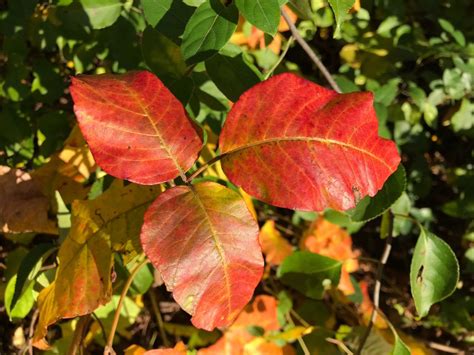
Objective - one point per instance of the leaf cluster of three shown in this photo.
(286, 141)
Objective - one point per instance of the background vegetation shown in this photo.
(416, 56)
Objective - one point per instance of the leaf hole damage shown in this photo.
(419, 276)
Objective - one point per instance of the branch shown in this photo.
(159, 318)
(110, 340)
(204, 167)
(388, 218)
(310, 52)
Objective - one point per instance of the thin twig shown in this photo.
(108, 350)
(282, 56)
(310, 52)
(340, 344)
(300, 339)
(31, 331)
(378, 281)
(299, 318)
(445, 348)
(78, 336)
(159, 319)
(101, 325)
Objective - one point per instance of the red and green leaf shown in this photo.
(294, 144)
(136, 129)
(204, 242)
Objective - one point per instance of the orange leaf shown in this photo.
(179, 349)
(274, 246)
(262, 312)
(366, 308)
(328, 239)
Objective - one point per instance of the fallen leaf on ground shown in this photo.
(23, 206)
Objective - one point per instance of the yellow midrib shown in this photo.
(218, 244)
(305, 139)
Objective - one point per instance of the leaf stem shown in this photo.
(282, 56)
(108, 350)
(34, 318)
(310, 52)
(378, 280)
(204, 167)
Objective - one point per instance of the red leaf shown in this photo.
(136, 129)
(204, 242)
(294, 144)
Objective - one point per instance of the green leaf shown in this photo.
(102, 13)
(463, 119)
(155, 10)
(385, 94)
(162, 55)
(399, 347)
(24, 303)
(371, 207)
(307, 272)
(285, 304)
(29, 268)
(264, 14)
(169, 17)
(457, 35)
(434, 271)
(208, 30)
(341, 9)
(232, 74)
(301, 8)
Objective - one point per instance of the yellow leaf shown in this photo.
(109, 223)
(274, 246)
(79, 163)
(349, 55)
(52, 179)
(291, 334)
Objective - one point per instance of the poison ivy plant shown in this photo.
(126, 120)
(211, 151)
